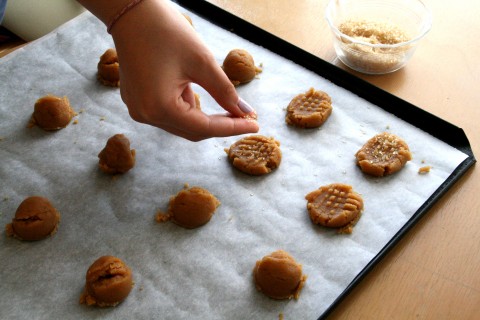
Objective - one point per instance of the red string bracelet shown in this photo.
(124, 10)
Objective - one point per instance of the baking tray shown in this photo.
(101, 215)
(437, 127)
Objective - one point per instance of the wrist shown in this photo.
(105, 10)
(129, 6)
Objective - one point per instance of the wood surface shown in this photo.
(9, 42)
(434, 271)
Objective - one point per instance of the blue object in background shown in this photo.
(3, 5)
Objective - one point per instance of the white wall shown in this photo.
(31, 19)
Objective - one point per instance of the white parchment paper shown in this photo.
(204, 273)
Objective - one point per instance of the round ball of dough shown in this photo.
(240, 67)
(188, 18)
(109, 68)
(192, 208)
(35, 219)
(117, 157)
(52, 113)
(279, 276)
(197, 101)
(108, 282)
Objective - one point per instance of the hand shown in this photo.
(160, 55)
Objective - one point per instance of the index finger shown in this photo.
(196, 123)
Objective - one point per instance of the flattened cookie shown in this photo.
(309, 110)
(190, 208)
(383, 154)
(256, 155)
(109, 69)
(335, 205)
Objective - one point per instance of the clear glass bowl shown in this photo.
(377, 36)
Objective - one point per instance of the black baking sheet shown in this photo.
(204, 273)
(437, 127)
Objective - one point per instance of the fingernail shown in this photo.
(244, 106)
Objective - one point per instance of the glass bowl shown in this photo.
(377, 36)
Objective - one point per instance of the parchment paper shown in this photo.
(204, 273)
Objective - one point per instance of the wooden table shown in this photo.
(9, 42)
(434, 272)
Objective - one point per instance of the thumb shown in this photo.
(213, 79)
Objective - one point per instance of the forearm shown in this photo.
(106, 10)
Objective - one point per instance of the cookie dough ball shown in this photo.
(279, 276)
(255, 155)
(309, 110)
(35, 219)
(383, 155)
(197, 101)
(52, 112)
(108, 282)
(109, 69)
(240, 67)
(117, 157)
(190, 208)
(188, 18)
(335, 205)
